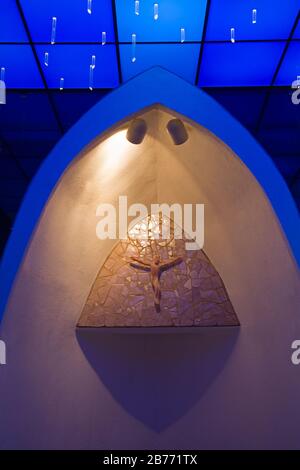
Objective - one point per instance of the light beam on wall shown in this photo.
(116, 154)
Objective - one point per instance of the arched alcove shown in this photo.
(154, 86)
(201, 391)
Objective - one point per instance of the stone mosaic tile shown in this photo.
(192, 291)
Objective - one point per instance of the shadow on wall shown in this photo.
(158, 378)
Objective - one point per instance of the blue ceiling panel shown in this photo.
(287, 166)
(34, 112)
(297, 31)
(290, 68)
(12, 187)
(274, 19)
(30, 165)
(223, 64)
(74, 23)
(295, 190)
(9, 167)
(280, 111)
(12, 29)
(240, 64)
(11, 204)
(172, 16)
(72, 105)
(180, 59)
(280, 141)
(21, 70)
(252, 100)
(31, 144)
(73, 64)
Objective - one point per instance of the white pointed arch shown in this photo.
(156, 86)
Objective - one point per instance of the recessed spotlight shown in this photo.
(136, 131)
(177, 131)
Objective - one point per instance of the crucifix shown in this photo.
(155, 266)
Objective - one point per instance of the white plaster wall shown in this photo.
(219, 388)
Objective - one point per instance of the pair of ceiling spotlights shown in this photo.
(138, 128)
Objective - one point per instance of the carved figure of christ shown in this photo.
(155, 267)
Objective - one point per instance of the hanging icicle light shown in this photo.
(61, 83)
(133, 47)
(2, 86)
(89, 7)
(155, 11)
(254, 15)
(91, 74)
(53, 29)
(2, 74)
(232, 35)
(103, 38)
(91, 78)
(46, 59)
(137, 7)
(182, 34)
